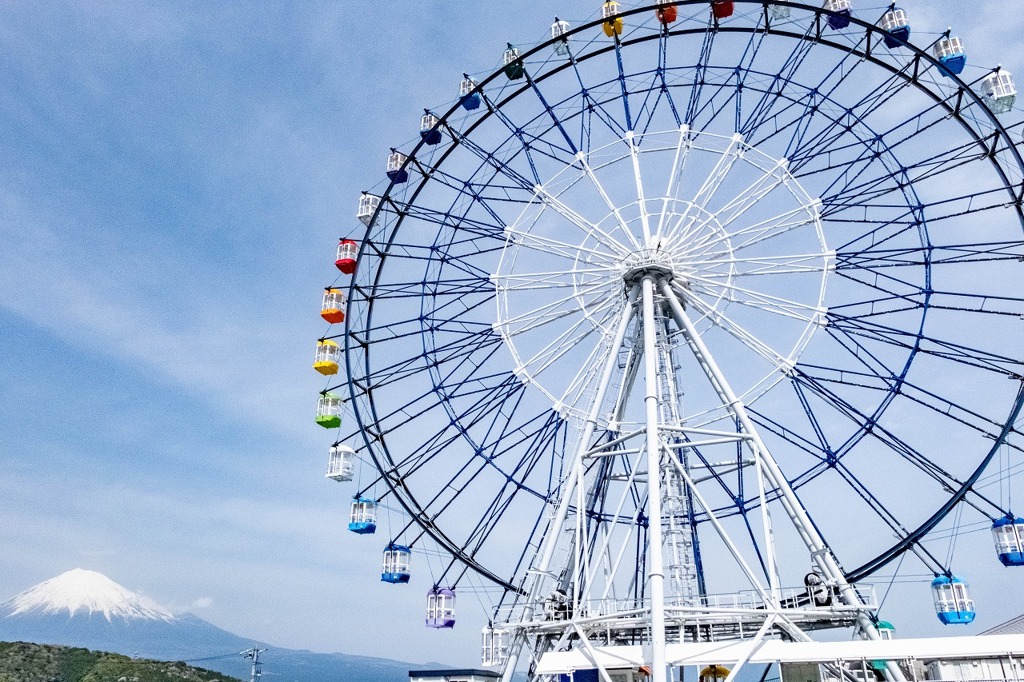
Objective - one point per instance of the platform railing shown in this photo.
(808, 602)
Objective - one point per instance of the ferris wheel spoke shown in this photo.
(802, 148)
(738, 332)
(545, 314)
(674, 175)
(876, 187)
(638, 180)
(761, 113)
(558, 347)
(766, 265)
(741, 73)
(532, 142)
(465, 343)
(588, 228)
(717, 176)
(762, 231)
(555, 120)
(655, 96)
(433, 439)
(938, 348)
(547, 280)
(942, 406)
(471, 470)
(888, 143)
(723, 96)
(471, 227)
(497, 165)
(940, 254)
(553, 247)
(870, 426)
(767, 302)
(698, 77)
(662, 84)
(398, 290)
(581, 159)
(894, 294)
(746, 199)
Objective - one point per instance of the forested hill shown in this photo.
(22, 662)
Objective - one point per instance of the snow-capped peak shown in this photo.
(87, 592)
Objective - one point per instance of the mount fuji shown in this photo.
(87, 609)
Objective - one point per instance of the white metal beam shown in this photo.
(778, 651)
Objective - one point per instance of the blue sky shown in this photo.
(174, 178)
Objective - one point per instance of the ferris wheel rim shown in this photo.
(366, 427)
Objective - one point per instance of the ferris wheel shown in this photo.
(687, 321)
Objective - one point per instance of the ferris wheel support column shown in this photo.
(656, 572)
(816, 545)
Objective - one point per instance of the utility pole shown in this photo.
(254, 654)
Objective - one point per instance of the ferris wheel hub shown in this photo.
(653, 262)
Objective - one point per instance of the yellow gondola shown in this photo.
(613, 22)
(328, 354)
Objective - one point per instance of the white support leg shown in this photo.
(656, 569)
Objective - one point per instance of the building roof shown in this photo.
(464, 672)
(1010, 627)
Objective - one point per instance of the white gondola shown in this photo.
(559, 29)
(495, 649)
(368, 204)
(341, 463)
(999, 91)
(780, 11)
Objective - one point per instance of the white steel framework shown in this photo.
(637, 272)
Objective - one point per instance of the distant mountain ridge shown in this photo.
(86, 609)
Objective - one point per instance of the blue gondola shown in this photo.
(951, 54)
(897, 27)
(429, 130)
(363, 517)
(441, 608)
(468, 97)
(953, 604)
(396, 167)
(841, 10)
(396, 564)
(1008, 534)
